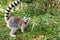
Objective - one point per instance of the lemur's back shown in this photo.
(15, 21)
(12, 22)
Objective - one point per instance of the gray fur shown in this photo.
(13, 25)
(12, 22)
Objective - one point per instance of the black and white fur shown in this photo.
(13, 22)
(13, 4)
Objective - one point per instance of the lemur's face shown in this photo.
(26, 19)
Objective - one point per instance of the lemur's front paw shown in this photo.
(22, 31)
(12, 35)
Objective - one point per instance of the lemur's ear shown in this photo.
(24, 17)
(29, 18)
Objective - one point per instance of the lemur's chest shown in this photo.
(20, 22)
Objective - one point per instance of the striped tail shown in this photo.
(13, 4)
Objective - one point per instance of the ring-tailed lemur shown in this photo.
(13, 22)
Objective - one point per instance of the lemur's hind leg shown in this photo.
(13, 30)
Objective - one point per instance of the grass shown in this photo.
(42, 27)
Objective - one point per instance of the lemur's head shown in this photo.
(26, 19)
